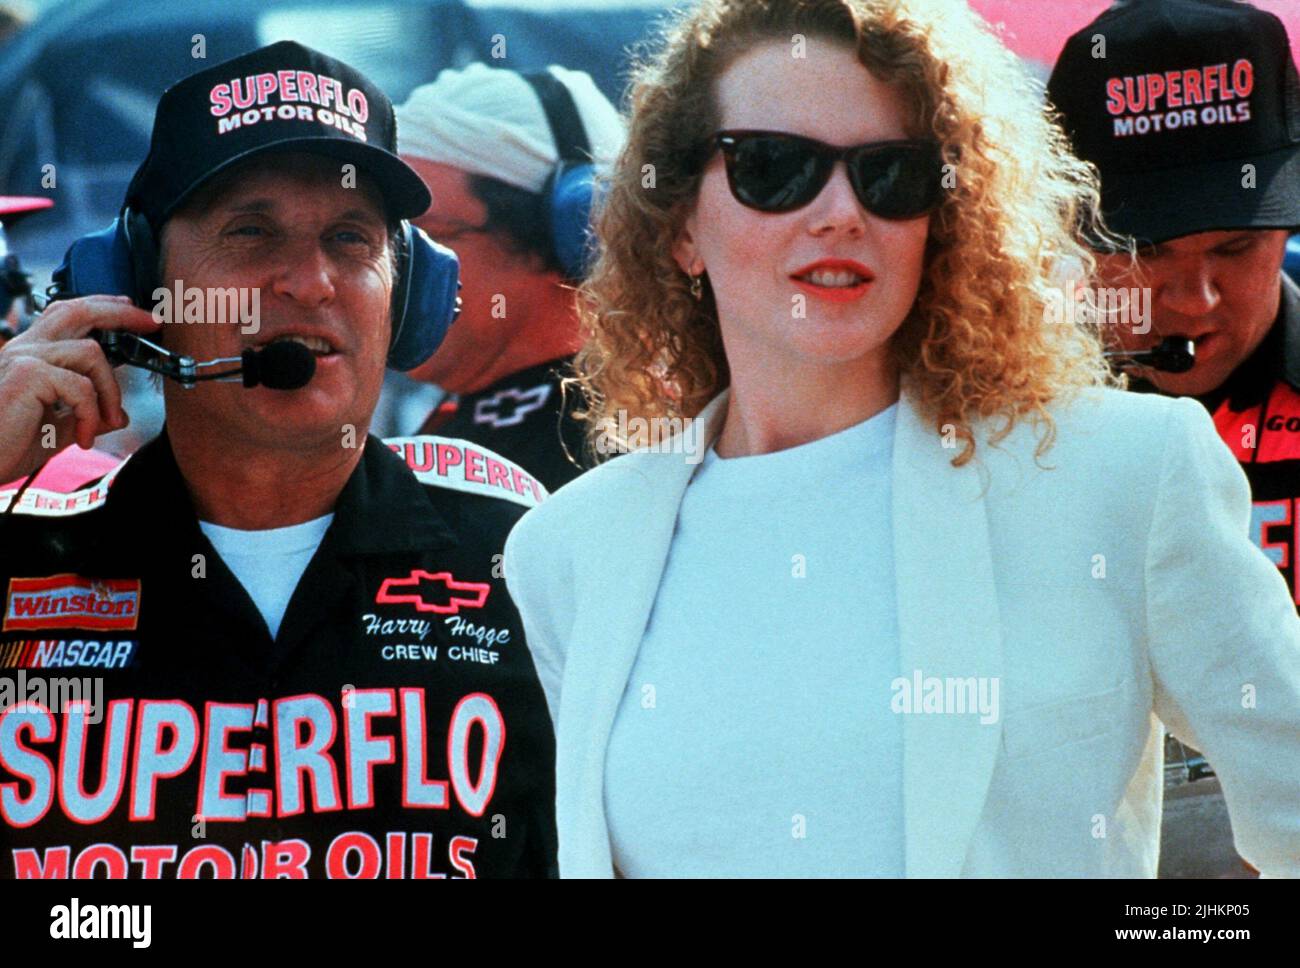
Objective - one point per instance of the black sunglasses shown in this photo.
(772, 171)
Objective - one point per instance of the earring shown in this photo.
(697, 287)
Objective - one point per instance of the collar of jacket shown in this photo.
(948, 621)
(381, 509)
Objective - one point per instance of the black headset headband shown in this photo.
(562, 115)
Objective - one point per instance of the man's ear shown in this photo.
(684, 249)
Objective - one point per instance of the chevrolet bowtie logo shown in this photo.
(433, 592)
(508, 408)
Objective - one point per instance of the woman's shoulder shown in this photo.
(1105, 419)
(581, 508)
(1106, 443)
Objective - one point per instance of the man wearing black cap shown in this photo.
(308, 663)
(1190, 109)
(1192, 117)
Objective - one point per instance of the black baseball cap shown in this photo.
(282, 97)
(1170, 99)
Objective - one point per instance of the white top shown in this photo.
(755, 736)
(269, 563)
(999, 565)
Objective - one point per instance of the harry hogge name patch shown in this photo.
(72, 602)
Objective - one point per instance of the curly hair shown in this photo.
(979, 341)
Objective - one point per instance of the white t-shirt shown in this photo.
(269, 563)
(755, 736)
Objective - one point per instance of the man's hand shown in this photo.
(55, 374)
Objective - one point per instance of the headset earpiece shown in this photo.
(426, 298)
(570, 186)
(570, 193)
(96, 264)
(143, 249)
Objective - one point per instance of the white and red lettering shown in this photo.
(151, 859)
(153, 762)
(1243, 78)
(422, 859)
(474, 466)
(337, 857)
(395, 869)
(28, 865)
(26, 764)
(219, 96)
(78, 805)
(285, 859)
(266, 86)
(417, 789)
(207, 855)
(448, 456)
(457, 851)
(475, 708)
(109, 856)
(220, 720)
(364, 751)
(295, 756)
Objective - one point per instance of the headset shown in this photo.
(569, 189)
(15, 285)
(122, 260)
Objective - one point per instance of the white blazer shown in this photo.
(1114, 588)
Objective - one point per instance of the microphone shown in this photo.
(278, 366)
(1173, 354)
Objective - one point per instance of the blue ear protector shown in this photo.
(570, 186)
(122, 260)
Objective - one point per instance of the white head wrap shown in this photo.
(489, 121)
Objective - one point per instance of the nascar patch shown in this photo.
(462, 466)
(72, 602)
(65, 654)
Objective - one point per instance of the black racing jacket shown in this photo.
(1257, 413)
(394, 728)
(527, 417)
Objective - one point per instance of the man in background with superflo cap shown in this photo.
(1193, 119)
(310, 664)
(509, 159)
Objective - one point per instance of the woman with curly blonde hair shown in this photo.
(904, 591)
